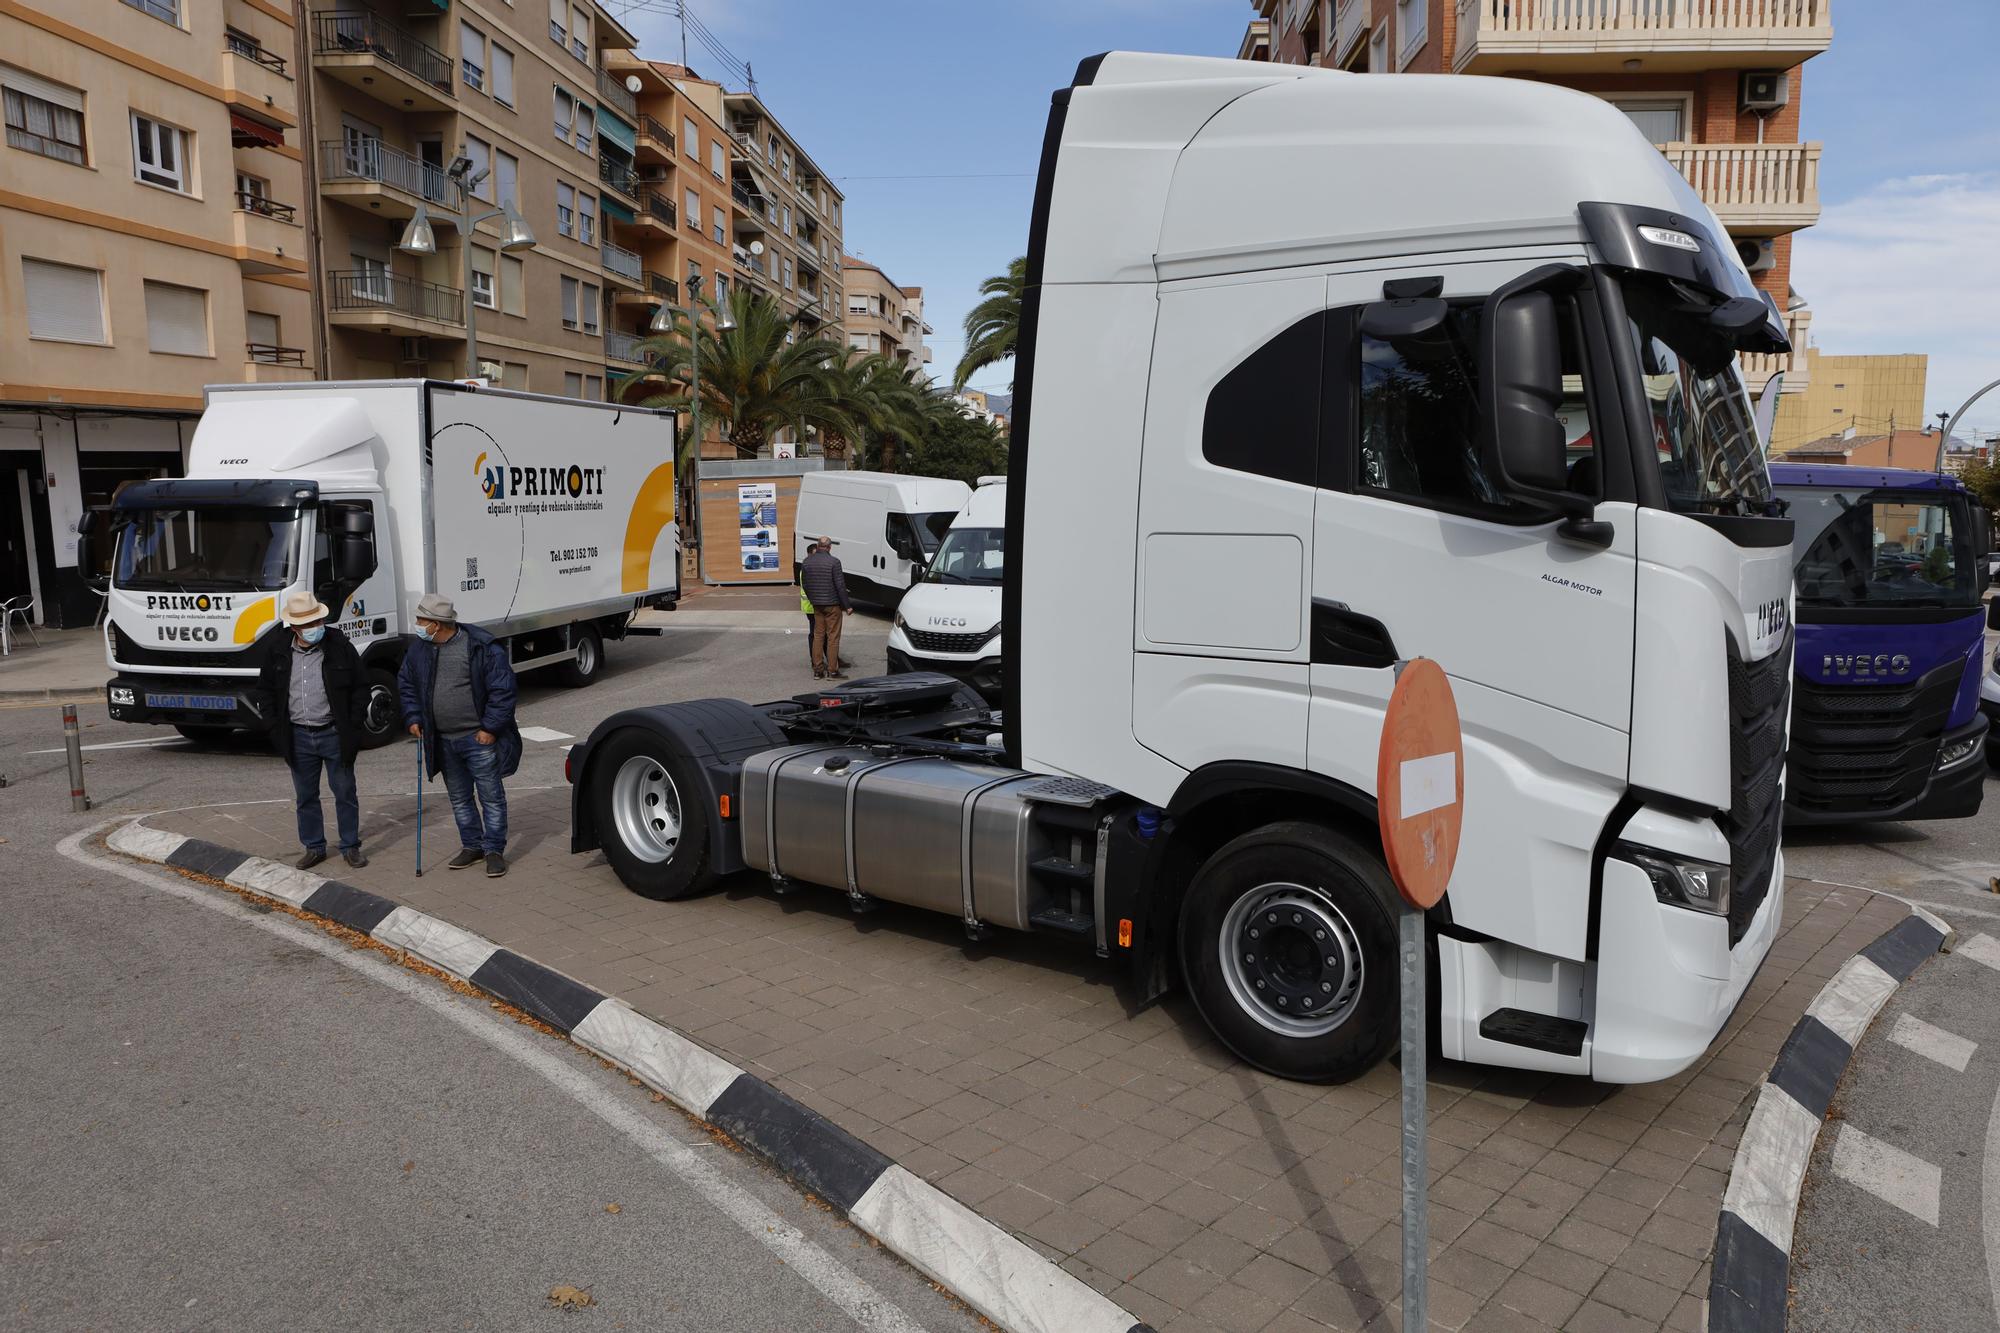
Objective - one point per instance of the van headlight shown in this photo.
(1679, 881)
(900, 622)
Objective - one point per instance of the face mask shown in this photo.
(313, 635)
(428, 633)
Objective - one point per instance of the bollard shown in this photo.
(73, 743)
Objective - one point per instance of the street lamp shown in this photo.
(419, 239)
(663, 322)
(1945, 428)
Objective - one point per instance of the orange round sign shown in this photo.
(1420, 783)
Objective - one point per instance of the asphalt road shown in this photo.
(220, 1117)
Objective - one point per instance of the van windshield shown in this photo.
(971, 555)
(205, 549)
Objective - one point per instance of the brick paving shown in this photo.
(1196, 1192)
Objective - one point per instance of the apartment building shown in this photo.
(1870, 394)
(468, 110)
(151, 242)
(884, 317)
(1716, 85)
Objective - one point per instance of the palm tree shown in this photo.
(994, 325)
(886, 404)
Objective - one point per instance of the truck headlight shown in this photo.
(1957, 752)
(123, 694)
(1700, 886)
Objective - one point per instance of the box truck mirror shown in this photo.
(86, 542)
(353, 557)
(350, 517)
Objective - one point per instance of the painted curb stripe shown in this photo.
(1810, 1064)
(458, 952)
(1901, 950)
(275, 880)
(662, 1057)
(805, 1145)
(543, 992)
(355, 908)
(206, 858)
(1746, 1293)
(135, 839)
(1848, 1003)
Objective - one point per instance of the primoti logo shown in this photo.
(492, 480)
(179, 601)
(502, 480)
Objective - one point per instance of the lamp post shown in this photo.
(419, 239)
(663, 322)
(1945, 427)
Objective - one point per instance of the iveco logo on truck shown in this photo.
(1860, 664)
(956, 622)
(175, 601)
(188, 634)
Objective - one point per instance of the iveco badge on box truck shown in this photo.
(549, 521)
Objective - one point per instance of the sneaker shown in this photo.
(835, 675)
(353, 857)
(819, 675)
(311, 858)
(496, 865)
(467, 856)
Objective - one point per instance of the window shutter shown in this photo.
(482, 260)
(261, 328)
(177, 319)
(569, 301)
(64, 302)
(23, 82)
(503, 74)
(558, 12)
(513, 298)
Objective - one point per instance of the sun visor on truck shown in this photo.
(1686, 248)
(325, 436)
(216, 493)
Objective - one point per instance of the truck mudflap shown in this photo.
(186, 701)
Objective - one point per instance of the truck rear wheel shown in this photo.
(651, 820)
(381, 720)
(1288, 945)
(582, 669)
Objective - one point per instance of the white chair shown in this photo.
(24, 607)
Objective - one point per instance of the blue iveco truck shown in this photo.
(1886, 718)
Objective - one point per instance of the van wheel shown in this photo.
(651, 820)
(381, 713)
(1288, 944)
(582, 669)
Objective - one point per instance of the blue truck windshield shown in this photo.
(205, 549)
(1704, 433)
(1856, 548)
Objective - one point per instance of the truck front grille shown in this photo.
(1867, 749)
(1758, 695)
(129, 653)
(930, 641)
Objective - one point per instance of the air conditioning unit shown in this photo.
(1764, 90)
(1758, 254)
(416, 349)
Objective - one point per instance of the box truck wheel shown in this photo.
(651, 816)
(1288, 944)
(381, 720)
(589, 660)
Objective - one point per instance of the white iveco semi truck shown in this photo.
(1318, 373)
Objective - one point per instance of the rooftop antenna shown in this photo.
(682, 10)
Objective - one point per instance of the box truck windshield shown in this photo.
(206, 549)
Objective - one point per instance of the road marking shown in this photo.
(543, 734)
(1933, 1043)
(123, 745)
(1990, 1202)
(695, 1165)
(1981, 949)
(1888, 1173)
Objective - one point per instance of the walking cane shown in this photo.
(420, 807)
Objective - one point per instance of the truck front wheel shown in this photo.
(380, 712)
(651, 818)
(1288, 945)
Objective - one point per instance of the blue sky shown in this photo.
(929, 115)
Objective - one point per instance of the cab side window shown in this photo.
(1263, 416)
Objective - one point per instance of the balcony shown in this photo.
(387, 182)
(1755, 188)
(1350, 26)
(656, 141)
(267, 235)
(657, 212)
(266, 364)
(617, 177)
(612, 92)
(392, 303)
(652, 288)
(256, 81)
(1757, 369)
(1495, 36)
(622, 263)
(627, 348)
(382, 60)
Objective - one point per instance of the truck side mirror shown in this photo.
(1520, 377)
(353, 556)
(86, 543)
(349, 518)
(1993, 614)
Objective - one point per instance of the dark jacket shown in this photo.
(824, 582)
(346, 691)
(492, 695)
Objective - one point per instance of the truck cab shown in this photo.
(950, 621)
(1886, 722)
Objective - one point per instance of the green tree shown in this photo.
(958, 447)
(884, 407)
(1983, 480)
(994, 325)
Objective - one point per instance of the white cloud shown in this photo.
(1912, 265)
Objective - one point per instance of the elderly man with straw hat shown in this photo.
(311, 683)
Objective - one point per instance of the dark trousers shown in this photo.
(312, 750)
(478, 800)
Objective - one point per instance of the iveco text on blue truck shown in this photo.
(1886, 721)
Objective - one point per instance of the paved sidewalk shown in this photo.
(66, 664)
(1193, 1191)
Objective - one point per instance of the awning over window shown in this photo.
(615, 210)
(247, 133)
(611, 126)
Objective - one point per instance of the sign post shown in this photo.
(1420, 804)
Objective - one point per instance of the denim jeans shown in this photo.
(473, 769)
(310, 751)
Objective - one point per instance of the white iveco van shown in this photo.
(950, 622)
(886, 526)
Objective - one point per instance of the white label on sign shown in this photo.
(1429, 783)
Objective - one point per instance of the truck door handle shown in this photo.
(1344, 637)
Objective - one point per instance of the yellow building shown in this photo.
(1873, 395)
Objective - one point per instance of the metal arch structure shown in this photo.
(1952, 425)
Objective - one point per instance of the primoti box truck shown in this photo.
(1297, 353)
(549, 521)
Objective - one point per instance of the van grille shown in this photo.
(930, 641)
(1758, 694)
(1867, 749)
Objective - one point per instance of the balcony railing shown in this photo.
(368, 289)
(618, 176)
(373, 160)
(1747, 184)
(660, 207)
(250, 50)
(653, 129)
(659, 284)
(625, 263)
(356, 32)
(270, 208)
(265, 354)
(1581, 27)
(620, 346)
(612, 91)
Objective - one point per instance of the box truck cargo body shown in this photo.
(549, 521)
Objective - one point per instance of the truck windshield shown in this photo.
(206, 549)
(971, 555)
(1857, 548)
(1704, 433)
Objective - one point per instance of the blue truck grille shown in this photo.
(1868, 749)
(1758, 694)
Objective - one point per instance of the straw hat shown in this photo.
(302, 608)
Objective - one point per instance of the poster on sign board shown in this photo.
(757, 526)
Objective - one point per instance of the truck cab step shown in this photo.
(1537, 1032)
(1062, 868)
(1063, 921)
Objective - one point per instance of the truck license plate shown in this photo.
(212, 703)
